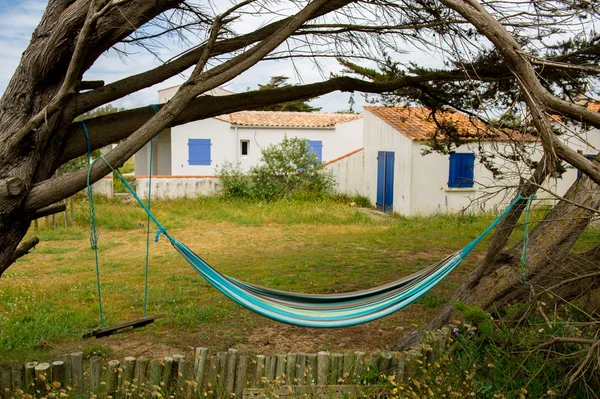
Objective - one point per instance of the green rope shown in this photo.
(93, 229)
(156, 109)
(523, 271)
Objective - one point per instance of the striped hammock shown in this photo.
(331, 310)
(325, 310)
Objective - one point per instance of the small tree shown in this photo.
(292, 106)
(286, 169)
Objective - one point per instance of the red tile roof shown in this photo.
(417, 124)
(287, 119)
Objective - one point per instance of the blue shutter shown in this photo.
(317, 148)
(388, 199)
(199, 151)
(380, 180)
(461, 170)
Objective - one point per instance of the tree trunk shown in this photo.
(551, 267)
(548, 259)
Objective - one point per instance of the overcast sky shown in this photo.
(19, 18)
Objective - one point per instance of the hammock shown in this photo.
(321, 310)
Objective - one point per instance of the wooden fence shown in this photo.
(220, 375)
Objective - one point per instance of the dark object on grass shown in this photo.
(119, 328)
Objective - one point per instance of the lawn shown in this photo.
(48, 299)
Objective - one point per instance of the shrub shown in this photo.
(235, 183)
(286, 170)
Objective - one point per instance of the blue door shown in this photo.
(385, 181)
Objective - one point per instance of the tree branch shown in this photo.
(24, 248)
(111, 128)
(133, 83)
(49, 210)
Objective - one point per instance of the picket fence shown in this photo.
(230, 374)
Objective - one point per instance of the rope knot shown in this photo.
(160, 231)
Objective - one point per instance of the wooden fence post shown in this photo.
(229, 371)
(260, 370)
(18, 377)
(301, 373)
(42, 377)
(211, 378)
(112, 377)
(200, 367)
(30, 376)
(323, 368)
(280, 370)
(58, 373)
(127, 375)
(166, 375)
(290, 369)
(77, 372)
(241, 375)
(359, 367)
(95, 376)
(5, 381)
(313, 369)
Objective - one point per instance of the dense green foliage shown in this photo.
(550, 353)
(287, 169)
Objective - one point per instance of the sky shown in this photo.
(19, 18)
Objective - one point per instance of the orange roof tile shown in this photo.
(417, 124)
(287, 119)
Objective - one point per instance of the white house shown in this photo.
(186, 158)
(398, 176)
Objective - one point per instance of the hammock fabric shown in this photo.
(325, 310)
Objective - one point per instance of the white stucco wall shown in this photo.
(348, 173)
(430, 173)
(222, 148)
(161, 157)
(379, 136)
(178, 187)
(104, 187)
(588, 142)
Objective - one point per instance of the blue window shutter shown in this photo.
(461, 170)
(317, 148)
(199, 151)
(380, 180)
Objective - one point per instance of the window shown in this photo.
(317, 148)
(244, 144)
(461, 170)
(199, 151)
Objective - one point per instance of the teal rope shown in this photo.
(155, 109)
(161, 228)
(93, 229)
(523, 271)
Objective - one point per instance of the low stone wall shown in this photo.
(170, 187)
(104, 186)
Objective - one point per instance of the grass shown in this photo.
(48, 299)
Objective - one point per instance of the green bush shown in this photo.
(286, 170)
(235, 183)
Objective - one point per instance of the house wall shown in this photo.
(348, 172)
(170, 187)
(225, 143)
(430, 192)
(588, 142)
(379, 136)
(161, 156)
